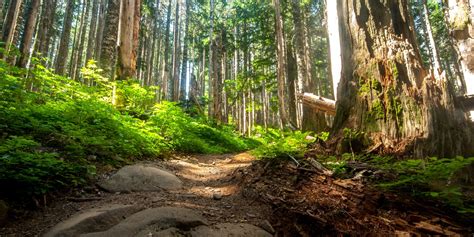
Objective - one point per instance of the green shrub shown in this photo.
(432, 178)
(187, 134)
(276, 144)
(25, 170)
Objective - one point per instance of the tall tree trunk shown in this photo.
(29, 29)
(184, 65)
(46, 31)
(10, 23)
(166, 68)
(100, 30)
(211, 55)
(461, 18)
(175, 77)
(334, 43)
(385, 93)
(78, 62)
(92, 30)
(127, 54)
(434, 48)
(3, 3)
(63, 50)
(109, 40)
(281, 63)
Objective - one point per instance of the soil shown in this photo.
(235, 188)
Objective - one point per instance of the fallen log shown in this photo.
(318, 103)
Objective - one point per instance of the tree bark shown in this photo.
(385, 92)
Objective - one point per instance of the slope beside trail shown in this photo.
(233, 195)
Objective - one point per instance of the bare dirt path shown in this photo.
(211, 188)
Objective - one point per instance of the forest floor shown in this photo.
(278, 197)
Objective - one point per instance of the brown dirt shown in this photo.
(296, 201)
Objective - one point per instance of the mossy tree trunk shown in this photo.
(385, 92)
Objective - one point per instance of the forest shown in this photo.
(236, 117)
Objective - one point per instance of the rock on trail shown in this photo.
(161, 221)
(135, 178)
(93, 220)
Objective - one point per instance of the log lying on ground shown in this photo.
(467, 102)
(318, 103)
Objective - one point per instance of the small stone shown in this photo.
(267, 226)
(251, 215)
(217, 196)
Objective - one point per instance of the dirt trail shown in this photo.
(210, 188)
(250, 196)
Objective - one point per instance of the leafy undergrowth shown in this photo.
(449, 181)
(284, 145)
(54, 131)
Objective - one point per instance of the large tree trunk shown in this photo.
(28, 32)
(63, 50)
(385, 92)
(462, 30)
